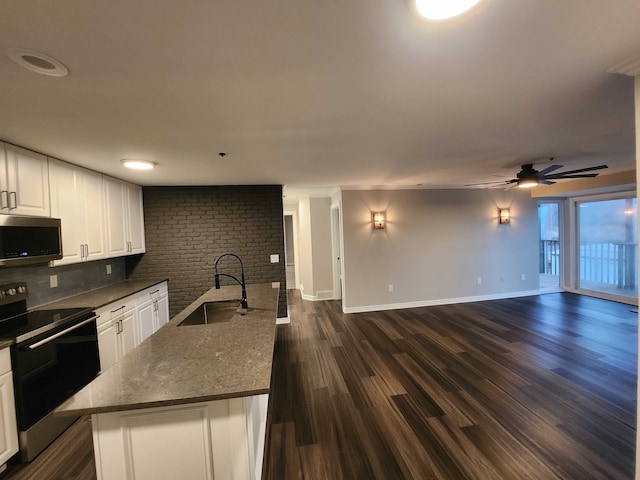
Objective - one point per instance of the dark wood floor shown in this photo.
(70, 457)
(541, 387)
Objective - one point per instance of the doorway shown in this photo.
(550, 245)
(291, 256)
(336, 241)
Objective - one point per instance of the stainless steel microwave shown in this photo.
(25, 240)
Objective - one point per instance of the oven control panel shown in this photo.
(13, 292)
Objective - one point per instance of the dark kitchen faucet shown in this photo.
(217, 276)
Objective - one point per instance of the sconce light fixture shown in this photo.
(378, 220)
(504, 216)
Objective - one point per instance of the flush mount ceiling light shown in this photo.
(37, 62)
(443, 9)
(138, 164)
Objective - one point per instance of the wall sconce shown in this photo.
(378, 220)
(503, 216)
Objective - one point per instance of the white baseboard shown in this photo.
(441, 301)
(319, 296)
(283, 320)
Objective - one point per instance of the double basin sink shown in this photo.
(213, 312)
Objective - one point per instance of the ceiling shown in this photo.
(320, 93)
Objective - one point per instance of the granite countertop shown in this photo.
(103, 296)
(95, 299)
(190, 364)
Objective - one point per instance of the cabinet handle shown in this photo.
(81, 251)
(118, 327)
(15, 200)
(86, 250)
(4, 203)
(114, 311)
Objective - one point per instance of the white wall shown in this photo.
(321, 247)
(314, 248)
(305, 247)
(436, 244)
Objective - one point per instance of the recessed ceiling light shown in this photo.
(138, 164)
(37, 62)
(443, 9)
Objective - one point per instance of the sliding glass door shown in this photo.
(607, 247)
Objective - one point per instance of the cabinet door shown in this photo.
(162, 309)
(92, 195)
(146, 320)
(116, 213)
(107, 345)
(136, 219)
(4, 181)
(67, 206)
(8, 428)
(127, 335)
(28, 175)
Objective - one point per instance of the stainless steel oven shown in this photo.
(55, 355)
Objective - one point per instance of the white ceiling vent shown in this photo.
(37, 62)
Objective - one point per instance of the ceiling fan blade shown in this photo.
(546, 182)
(500, 182)
(588, 169)
(550, 169)
(562, 175)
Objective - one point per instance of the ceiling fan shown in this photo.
(530, 177)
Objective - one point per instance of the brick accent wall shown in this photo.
(187, 228)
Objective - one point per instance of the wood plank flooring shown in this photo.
(542, 387)
(70, 457)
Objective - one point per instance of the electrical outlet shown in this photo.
(391, 287)
(523, 277)
(108, 269)
(275, 258)
(479, 280)
(53, 281)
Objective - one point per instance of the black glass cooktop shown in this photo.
(27, 325)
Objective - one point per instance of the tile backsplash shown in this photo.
(72, 279)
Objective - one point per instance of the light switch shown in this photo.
(275, 258)
(53, 281)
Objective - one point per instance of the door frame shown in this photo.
(296, 256)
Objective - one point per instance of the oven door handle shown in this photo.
(59, 334)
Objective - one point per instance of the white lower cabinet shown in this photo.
(116, 331)
(8, 427)
(222, 439)
(125, 324)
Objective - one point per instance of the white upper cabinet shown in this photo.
(125, 220)
(24, 182)
(136, 219)
(77, 198)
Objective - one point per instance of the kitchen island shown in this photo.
(190, 401)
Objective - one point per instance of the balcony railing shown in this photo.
(606, 263)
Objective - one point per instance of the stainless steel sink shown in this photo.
(212, 312)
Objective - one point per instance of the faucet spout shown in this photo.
(241, 282)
